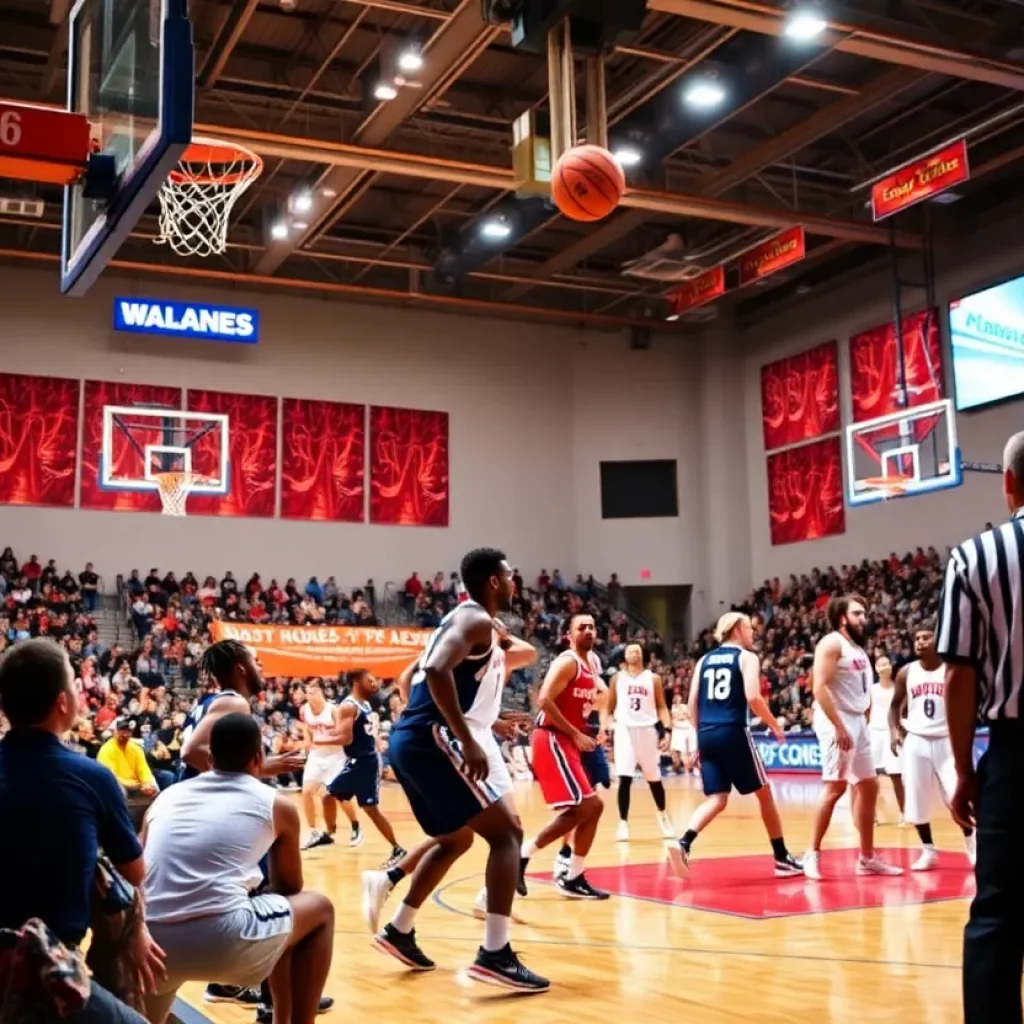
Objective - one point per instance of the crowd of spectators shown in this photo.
(147, 685)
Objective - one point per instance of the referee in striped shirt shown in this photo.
(981, 640)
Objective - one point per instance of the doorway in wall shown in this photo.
(668, 609)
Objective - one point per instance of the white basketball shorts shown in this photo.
(925, 762)
(684, 739)
(881, 752)
(498, 777)
(637, 745)
(853, 765)
(322, 766)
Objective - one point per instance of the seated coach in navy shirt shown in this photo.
(57, 809)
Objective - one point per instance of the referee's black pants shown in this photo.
(994, 936)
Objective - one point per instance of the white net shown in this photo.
(174, 490)
(197, 198)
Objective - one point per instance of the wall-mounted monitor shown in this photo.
(986, 333)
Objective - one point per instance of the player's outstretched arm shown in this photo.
(899, 700)
(518, 652)
(750, 666)
(196, 750)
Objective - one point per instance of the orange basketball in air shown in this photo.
(587, 183)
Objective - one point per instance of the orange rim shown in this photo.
(207, 154)
(891, 486)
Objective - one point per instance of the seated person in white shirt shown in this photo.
(204, 840)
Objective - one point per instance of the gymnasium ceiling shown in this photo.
(802, 130)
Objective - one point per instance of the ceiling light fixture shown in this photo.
(496, 229)
(410, 59)
(803, 25)
(279, 231)
(385, 91)
(300, 225)
(672, 318)
(302, 202)
(704, 93)
(629, 156)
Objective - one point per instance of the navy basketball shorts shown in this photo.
(359, 780)
(728, 759)
(595, 764)
(427, 761)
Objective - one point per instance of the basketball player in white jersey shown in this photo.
(842, 677)
(927, 755)
(887, 762)
(684, 736)
(636, 702)
(318, 720)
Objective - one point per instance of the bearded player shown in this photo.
(842, 678)
(566, 700)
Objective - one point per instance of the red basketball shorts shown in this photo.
(559, 770)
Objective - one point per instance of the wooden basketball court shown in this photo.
(733, 944)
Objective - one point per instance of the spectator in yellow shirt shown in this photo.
(127, 760)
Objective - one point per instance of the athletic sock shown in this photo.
(395, 875)
(575, 866)
(658, 792)
(688, 837)
(779, 848)
(497, 930)
(565, 852)
(529, 849)
(925, 832)
(404, 919)
(625, 788)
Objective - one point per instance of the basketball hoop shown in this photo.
(196, 200)
(888, 486)
(174, 489)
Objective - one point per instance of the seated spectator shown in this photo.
(314, 591)
(8, 564)
(198, 905)
(127, 761)
(58, 809)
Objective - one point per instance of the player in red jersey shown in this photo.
(565, 702)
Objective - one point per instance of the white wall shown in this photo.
(533, 410)
(942, 518)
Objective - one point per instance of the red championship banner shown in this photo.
(299, 651)
(920, 180)
(710, 285)
(789, 246)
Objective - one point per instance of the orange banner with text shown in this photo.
(920, 180)
(783, 249)
(327, 650)
(710, 285)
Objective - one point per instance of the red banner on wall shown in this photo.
(805, 492)
(38, 440)
(800, 396)
(323, 448)
(126, 458)
(710, 285)
(920, 180)
(874, 366)
(785, 248)
(252, 454)
(408, 467)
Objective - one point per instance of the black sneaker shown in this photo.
(504, 968)
(231, 994)
(788, 866)
(317, 838)
(579, 888)
(395, 856)
(402, 946)
(265, 1014)
(521, 883)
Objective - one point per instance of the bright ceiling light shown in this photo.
(672, 318)
(804, 25)
(704, 93)
(302, 202)
(410, 59)
(300, 225)
(385, 91)
(495, 229)
(279, 231)
(629, 156)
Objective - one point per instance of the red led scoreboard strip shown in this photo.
(42, 144)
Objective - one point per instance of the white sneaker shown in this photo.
(873, 866)
(357, 836)
(376, 889)
(811, 861)
(971, 848)
(668, 830)
(480, 905)
(622, 835)
(928, 861)
(561, 868)
(678, 858)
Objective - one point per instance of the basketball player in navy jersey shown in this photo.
(444, 770)
(726, 682)
(359, 780)
(230, 666)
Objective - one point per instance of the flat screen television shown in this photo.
(986, 332)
